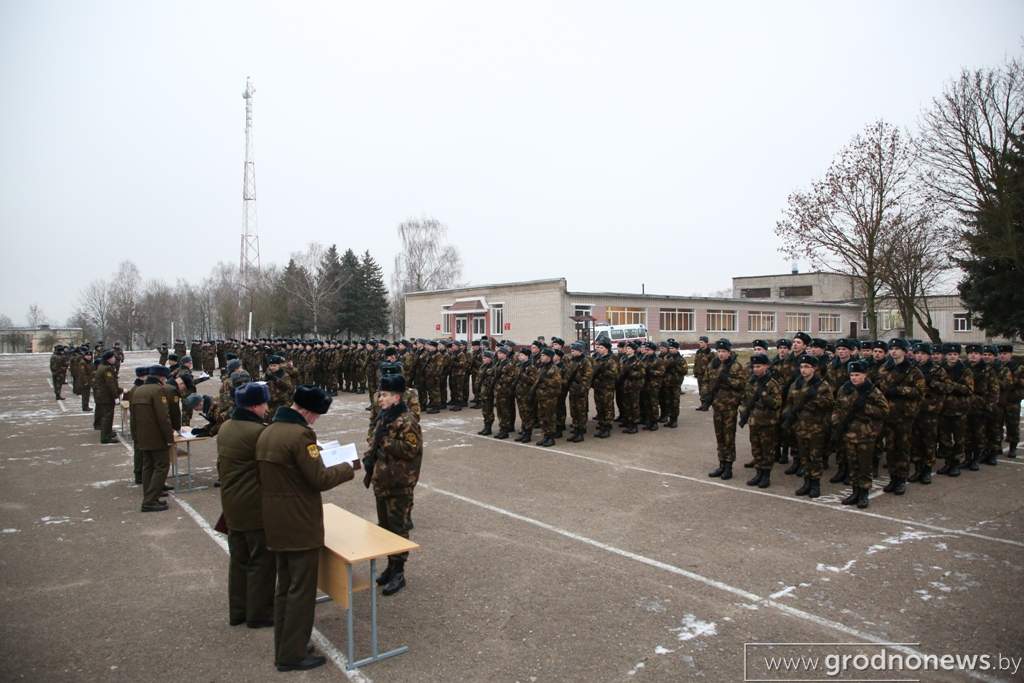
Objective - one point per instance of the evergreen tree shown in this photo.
(993, 285)
(296, 319)
(375, 312)
(349, 296)
(331, 268)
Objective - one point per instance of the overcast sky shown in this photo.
(613, 144)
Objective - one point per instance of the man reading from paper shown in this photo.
(292, 476)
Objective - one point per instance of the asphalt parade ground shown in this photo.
(607, 560)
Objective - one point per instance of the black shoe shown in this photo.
(310, 662)
(727, 472)
(953, 471)
(766, 480)
(852, 498)
(839, 475)
(546, 442)
(815, 489)
(395, 583)
(631, 429)
(154, 507)
(86, 410)
(236, 622)
(501, 435)
(672, 424)
(702, 409)
(749, 464)
(167, 488)
(805, 489)
(433, 411)
(862, 498)
(991, 458)
(602, 433)
(718, 471)
(652, 427)
(486, 431)
(756, 479)
(944, 469)
(112, 439)
(260, 623)
(663, 419)
(926, 475)
(560, 432)
(1012, 452)
(915, 476)
(385, 575)
(972, 464)
(792, 469)
(576, 437)
(899, 486)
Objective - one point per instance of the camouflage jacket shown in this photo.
(726, 383)
(279, 385)
(504, 378)
(578, 376)
(548, 382)
(632, 373)
(58, 363)
(808, 406)
(859, 412)
(487, 374)
(1007, 383)
(904, 387)
(675, 369)
(837, 373)
(762, 401)
(937, 386)
(701, 359)
(526, 375)
(961, 389)
(605, 372)
(411, 397)
(986, 389)
(397, 446)
(654, 372)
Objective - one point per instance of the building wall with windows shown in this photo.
(814, 286)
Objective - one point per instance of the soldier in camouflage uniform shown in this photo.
(676, 370)
(806, 415)
(837, 375)
(579, 375)
(58, 370)
(904, 387)
(483, 391)
(604, 380)
(458, 370)
(433, 377)
(387, 368)
(650, 395)
(993, 445)
(983, 406)
(525, 378)
(953, 425)
(505, 374)
(762, 401)
(726, 380)
(925, 434)
(786, 369)
(858, 417)
(279, 384)
(547, 387)
(333, 362)
(632, 375)
(392, 466)
(1010, 397)
(701, 359)
(476, 360)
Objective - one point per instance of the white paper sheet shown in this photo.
(339, 454)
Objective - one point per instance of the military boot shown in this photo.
(501, 435)
(852, 498)
(526, 437)
(926, 475)
(804, 489)
(893, 484)
(756, 479)
(385, 575)
(652, 426)
(749, 463)
(840, 474)
(862, 498)
(727, 472)
(972, 461)
(396, 581)
(1012, 452)
(560, 432)
(546, 442)
(766, 479)
(718, 471)
(991, 457)
(953, 470)
(672, 423)
(576, 437)
(792, 469)
(945, 468)
(486, 431)
(815, 488)
(603, 433)
(915, 476)
(630, 428)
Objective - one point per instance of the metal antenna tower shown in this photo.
(249, 263)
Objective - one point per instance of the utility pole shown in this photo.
(249, 262)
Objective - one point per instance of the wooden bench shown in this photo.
(350, 540)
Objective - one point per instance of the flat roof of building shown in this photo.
(468, 288)
(810, 272)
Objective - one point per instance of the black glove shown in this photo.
(368, 463)
(743, 420)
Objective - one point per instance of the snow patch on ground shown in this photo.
(10, 531)
(905, 536)
(837, 570)
(652, 605)
(691, 627)
(49, 520)
(659, 650)
(632, 672)
(103, 484)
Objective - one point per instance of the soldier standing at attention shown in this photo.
(676, 370)
(476, 360)
(163, 353)
(983, 404)
(994, 428)
(58, 370)
(786, 371)
(1012, 396)
(141, 373)
(547, 387)
(807, 412)
(579, 383)
(525, 378)
(904, 387)
(727, 380)
(154, 434)
(505, 374)
(654, 372)
(107, 391)
(925, 433)
(762, 401)
(291, 477)
(701, 359)
(483, 391)
(857, 420)
(604, 379)
(393, 467)
(433, 378)
(278, 384)
(252, 568)
(632, 376)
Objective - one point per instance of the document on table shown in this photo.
(186, 433)
(332, 453)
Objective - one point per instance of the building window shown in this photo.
(446, 323)
(761, 321)
(479, 326)
(828, 322)
(798, 322)
(676, 319)
(582, 310)
(721, 321)
(497, 319)
(756, 293)
(891, 320)
(962, 322)
(626, 316)
(790, 292)
(865, 322)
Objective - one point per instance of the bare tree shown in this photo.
(965, 135)
(315, 286)
(95, 303)
(35, 316)
(5, 321)
(848, 219)
(125, 293)
(425, 262)
(156, 311)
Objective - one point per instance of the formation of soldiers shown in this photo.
(909, 402)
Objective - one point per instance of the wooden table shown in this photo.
(174, 453)
(350, 540)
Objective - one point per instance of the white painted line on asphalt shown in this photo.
(750, 490)
(60, 403)
(325, 645)
(713, 583)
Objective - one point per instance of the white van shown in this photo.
(621, 333)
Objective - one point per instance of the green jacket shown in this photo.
(151, 416)
(236, 465)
